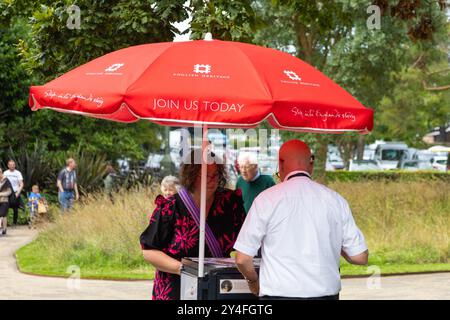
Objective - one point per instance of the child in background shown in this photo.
(34, 201)
(169, 186)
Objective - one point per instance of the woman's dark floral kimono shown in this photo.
(173, 231)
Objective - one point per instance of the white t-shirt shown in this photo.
(15, 177)
(301, 226)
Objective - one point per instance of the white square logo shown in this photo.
(292, 75)
(202, 68)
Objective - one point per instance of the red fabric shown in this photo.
(224, 84)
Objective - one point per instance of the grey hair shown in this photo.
(251, 157)
(171, 181)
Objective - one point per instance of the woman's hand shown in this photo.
(162, 261)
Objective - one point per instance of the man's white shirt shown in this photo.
(15, 177)
(301, 227)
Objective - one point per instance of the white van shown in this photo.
(387, 155)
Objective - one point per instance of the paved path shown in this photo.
(433, 286)
(16, 285)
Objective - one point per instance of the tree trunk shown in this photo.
(360, 147)
(346, 147)
(321, 158)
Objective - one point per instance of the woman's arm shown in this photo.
(162, 261)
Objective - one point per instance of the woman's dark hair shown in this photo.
(191, 167)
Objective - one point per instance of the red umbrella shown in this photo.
(217, 84)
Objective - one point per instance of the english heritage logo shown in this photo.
(111, 70)
(200, 70)
(294, 78)
(292, 75)
(114, 67)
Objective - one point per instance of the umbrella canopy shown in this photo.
(218, 83)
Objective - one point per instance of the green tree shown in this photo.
(334, 37)
(49, 48)
(227, 20)
(14, 82)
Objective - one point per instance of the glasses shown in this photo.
(212, 177)
(247, 167)
(277, 173)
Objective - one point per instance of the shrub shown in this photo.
(394, 175)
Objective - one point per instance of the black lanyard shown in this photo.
(300, 174)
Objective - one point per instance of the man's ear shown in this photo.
(311, 167)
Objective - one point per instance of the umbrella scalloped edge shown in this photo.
(124, 110)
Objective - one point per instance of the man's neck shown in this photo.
(258, 174)
(292, 172)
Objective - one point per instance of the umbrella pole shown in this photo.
(201, 254)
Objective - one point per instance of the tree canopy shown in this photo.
(399, 67)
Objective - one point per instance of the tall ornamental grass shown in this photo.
(404, 223)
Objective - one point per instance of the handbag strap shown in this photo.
(193, 209)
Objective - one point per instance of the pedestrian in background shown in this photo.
(110, 181)
(36, 204)
(169, 186)
(6, 191)
(15, 178)
(67, 185)
(251, 181)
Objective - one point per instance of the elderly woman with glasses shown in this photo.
(173, 232)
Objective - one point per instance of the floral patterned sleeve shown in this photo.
(235, 207)
(160, 230)
(238, 209)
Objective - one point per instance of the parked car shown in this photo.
(439, 163)
(389, 154)
(415, 165)
(334, 163)
(124, 165)
(154, 161)
(363, 165)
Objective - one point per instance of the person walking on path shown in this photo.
(5, 193)
(303, 228)
(67, 186)
(15, 178)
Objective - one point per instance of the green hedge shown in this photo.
(393, 175)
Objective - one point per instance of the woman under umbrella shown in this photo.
(173, 232)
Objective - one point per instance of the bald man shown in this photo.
(302, 228)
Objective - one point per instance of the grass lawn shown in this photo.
(32, 260)
(406, 226)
